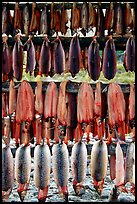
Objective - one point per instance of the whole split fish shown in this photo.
(59, 56)
(127, 17)
(7, 20)
(22, 169)
(26, 15)
(31, 61)
(45, 58)
(118, 19)
(6, 64)
(52, 27)
(92, 21)
(64, 20)
(60, 167)
(75, 18)
(100, 21)
(74, 56)
(79, 166)
(94, 60)
(129, 61)
(17, 17)
(98, 165)
(109, 60)
(84, 18)
(44, 24)
(57, 20)
(109, 18)
(42, 167)
(7, 172)
(17, 59)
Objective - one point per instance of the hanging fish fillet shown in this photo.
(17, 17)
(45, 58)
(60, 167)
(109, 60)
(79, 166)
(84, 17)
(17, 59)
(35, 19)
(26, 13)
(129, 57)
(132, 102)
(127, 17)
(98, 165)
(7, 20)
(75, 18)
(94, 60)
(52, 24)
(92, 21)
(22, 169)
(74, 56)
(7, 172)
(100, 21)
(64, 20)
(42, 165)
(59, 56)
(109, 18)
(113, 166)
(44, 27)
(118, 19)
(25, 133)
(4, 112)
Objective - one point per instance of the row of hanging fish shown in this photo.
(28, 115)
(51, 58)
(119, 19)
(122, 168)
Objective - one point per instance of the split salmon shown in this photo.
(57, 20)
(4, 112)
(75, 18)
(94, 60)
(45, 58)
(132, 102)
(60, 167)
(98, 165)
(31, 62)
(26, 15)
(17, 17)
(6, 63)
(52, 27)
(109, 60)
(84, 18)
(74, 56)
(7, 172)
(79, 166)
(25, 133)
(113, 166)
(44, 27)
(22, 169)
(12, 98)
(127, 17)
(118, 19)
(35, 19)
(100, 21)
(7, 20)
(59, 56)
(92, 21)
(64, 21)
(42, 167)
(109, 18)
(17, 59)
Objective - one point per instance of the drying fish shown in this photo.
(45, 58)
(59, 56)
(98, 165)
(57, 21)
(35, 18)
(132, 102)
(26, 14)
(17, 57)
(17, 17)
(7, 20)
(109, 59)
(42, 165)
(74, 56)
(75, 18)
(129, 57)
(6, 65)
(127, 17)
(22, 169)
(100, 21)
(31, 62)
(4, 112)
(109, 18)
(79, 166)
(44, 27)
(64, 20)
(7, 171)
(113, 166)
(92, 21)
(94, 60)
(85, 103)
(25, 133)
(84, 18)
(60, 166)
(118, 19)
(52, 27)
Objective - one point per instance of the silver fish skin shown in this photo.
(59, 57)
(129, 162)
(31, 60)
(45, 58)
(74, 56)
(7, 171)
(79, 161)
(60, 165)
(42, 166)
(17, 60)
(23, 164)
